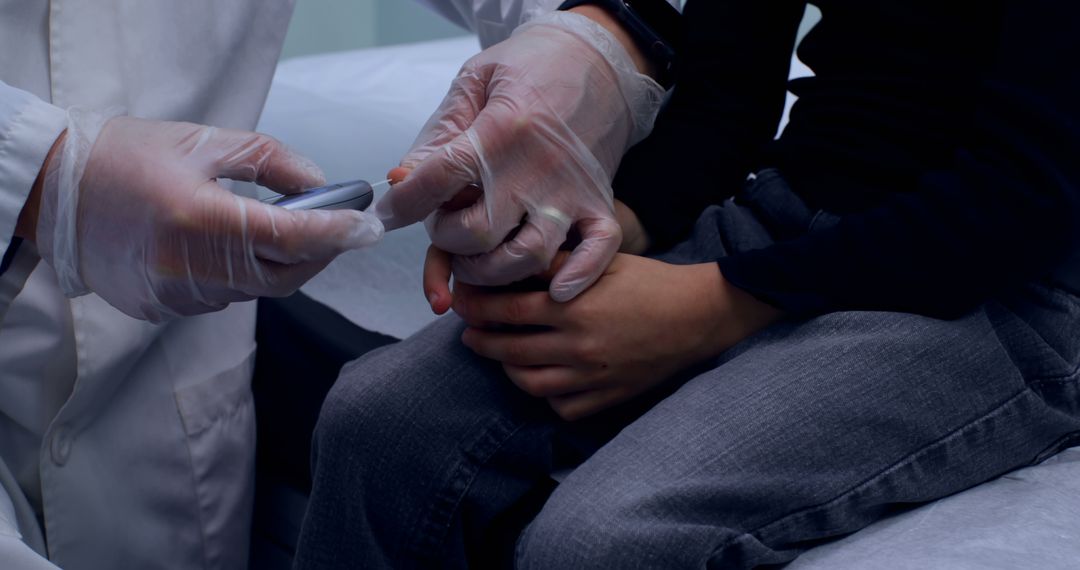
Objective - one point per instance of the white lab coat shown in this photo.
(125, 444)
(492, 20)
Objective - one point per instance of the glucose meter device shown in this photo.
(352, 195)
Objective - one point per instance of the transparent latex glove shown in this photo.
(131, 210)
(539, 123)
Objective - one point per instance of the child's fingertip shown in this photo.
(397, 174)
(438, 304)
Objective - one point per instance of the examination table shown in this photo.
(356, 113)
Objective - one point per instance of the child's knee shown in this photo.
(574, 532)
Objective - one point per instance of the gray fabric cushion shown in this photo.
(1029, 518)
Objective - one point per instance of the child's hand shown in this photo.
(640, 324)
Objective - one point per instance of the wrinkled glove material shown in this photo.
(132, 210)
(539, 122)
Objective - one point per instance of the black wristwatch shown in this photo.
(653, 24)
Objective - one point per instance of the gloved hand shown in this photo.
(131, 210)
(539, 123)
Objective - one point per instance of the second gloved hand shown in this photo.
(131, 210)
(539, 123)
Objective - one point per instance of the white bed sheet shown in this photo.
(1026, 520)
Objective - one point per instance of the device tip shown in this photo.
(381, 186)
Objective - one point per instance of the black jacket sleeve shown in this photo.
(731, 78)
(1005, 211)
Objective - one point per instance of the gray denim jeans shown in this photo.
(426, 456)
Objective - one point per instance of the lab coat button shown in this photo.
(61, 445)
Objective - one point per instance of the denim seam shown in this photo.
(1059, 444)
(519, 545)
(908, 459)
(1070, 376)
(1065, 376)
(1057, 294)
(1049, 346)
(485, 445)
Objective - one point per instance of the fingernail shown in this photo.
(432, 299)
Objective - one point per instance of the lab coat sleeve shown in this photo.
(28, 128)
(18, 556)
(494, 20)
(16, 552)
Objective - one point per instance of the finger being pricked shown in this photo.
(437, 280)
